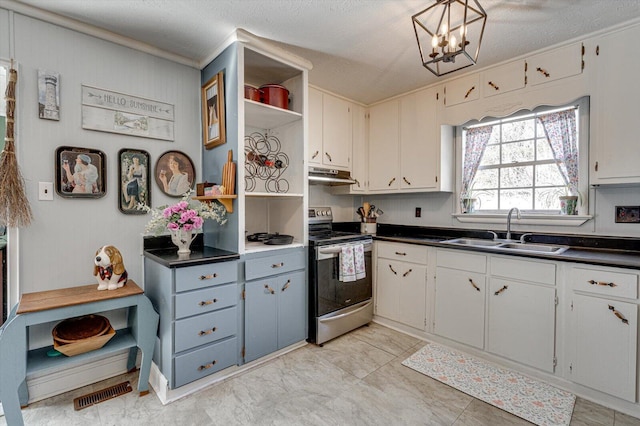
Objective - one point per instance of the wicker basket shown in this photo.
(84, 345)
(78, 335)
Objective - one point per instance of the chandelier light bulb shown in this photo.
(443, 29)
(434, 41)
(452, 44)
(463, 31)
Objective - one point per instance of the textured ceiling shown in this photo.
(362, 49)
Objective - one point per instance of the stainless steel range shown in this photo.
(336, 305)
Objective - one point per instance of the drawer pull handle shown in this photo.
(205, 332)
(207, 302)
(407, 273)
(399, 253)
(406, 181)
(492, 84)
(393, 270)
(619, 315)
(207, 366)
(286, 285)
(208, 277)
(501, 290)
(474, 284)
(315, 154)
(328, 156)
(543, 72)
(269, 288)
(593, 282)
(278, 265)
(391, 181)
(469, 91)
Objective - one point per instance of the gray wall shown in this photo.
(57, 250)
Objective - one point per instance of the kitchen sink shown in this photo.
(474, 242)
(538, 248)
(508, 246)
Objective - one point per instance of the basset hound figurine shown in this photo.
(109, 269)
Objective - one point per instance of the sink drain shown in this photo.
(101, 395)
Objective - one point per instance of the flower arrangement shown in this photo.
(184, 215)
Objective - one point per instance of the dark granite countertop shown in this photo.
(621, 252)
(161, 250)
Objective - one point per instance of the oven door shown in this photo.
(333, 294)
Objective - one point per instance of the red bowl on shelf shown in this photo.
(251, 93)
(275, 95)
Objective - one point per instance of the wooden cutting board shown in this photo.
(229, 175)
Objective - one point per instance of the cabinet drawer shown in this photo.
(404, 252)
(272, 265)
(195, 277)
(205, 300)
(554, 65)
(607, 282)
(206, 328)
(461, 90)
(503, 79)
(524, 270)
(202, 362)
(462, 260)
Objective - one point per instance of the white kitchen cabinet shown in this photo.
(615, 152)
(359, 154)
(521, 311)
(462, 90)
(604, 329)
(555, 64)
(330, 130)
(460, 296)
(401, 282)
(504, 78)
(383, 146)
(408, 150)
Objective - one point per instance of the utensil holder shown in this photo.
(368, 227)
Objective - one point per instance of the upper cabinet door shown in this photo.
(461, 90)
(315, 126)
(554, 65)
(383, 146)
(504, 78)
(336, 132)
(615, 152)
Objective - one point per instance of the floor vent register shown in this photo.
(101, 395)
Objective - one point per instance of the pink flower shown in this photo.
(197, 222)
(167, 212)
(173, 226)
(187, 227)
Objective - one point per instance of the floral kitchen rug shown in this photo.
(522, 396)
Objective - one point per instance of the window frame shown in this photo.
(546, 217)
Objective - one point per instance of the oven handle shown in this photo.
(338, 249)
(346, 314)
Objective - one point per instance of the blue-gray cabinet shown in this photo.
(198, 307)
(275, 302)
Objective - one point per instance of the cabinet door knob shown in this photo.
(391, 181)
(405, 180)
(618, 314)
(269, 289)
(543, 72)
(474, 284)
(315, 154)
(286, 285)
(208, 277)
(393, 270)
(207, 302)
(278, 265)
(602, 283)
(492, 84)
(205, 332)
(207, 366)
(407, 273)
(469, 91)
(501, 290)
(328, 156)
(357, 182)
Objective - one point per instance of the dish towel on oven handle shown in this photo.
(352, 266)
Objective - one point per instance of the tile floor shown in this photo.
(356, 379)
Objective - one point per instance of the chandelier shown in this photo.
(449, 34)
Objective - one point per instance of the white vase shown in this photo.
(182, 239)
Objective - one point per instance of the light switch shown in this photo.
(45, 191)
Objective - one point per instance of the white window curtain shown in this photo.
(560, 129)
(475, 143)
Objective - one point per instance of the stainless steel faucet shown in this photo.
(509, 220)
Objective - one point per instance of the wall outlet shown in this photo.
(627, 214)
(45, 191)
(418, 212)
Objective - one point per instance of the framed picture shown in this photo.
(80, 172)
(175, 173)
(49, 95)
(135, 175)
(213, 122)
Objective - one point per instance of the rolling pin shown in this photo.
(229, 175)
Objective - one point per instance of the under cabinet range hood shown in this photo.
(332, 177)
